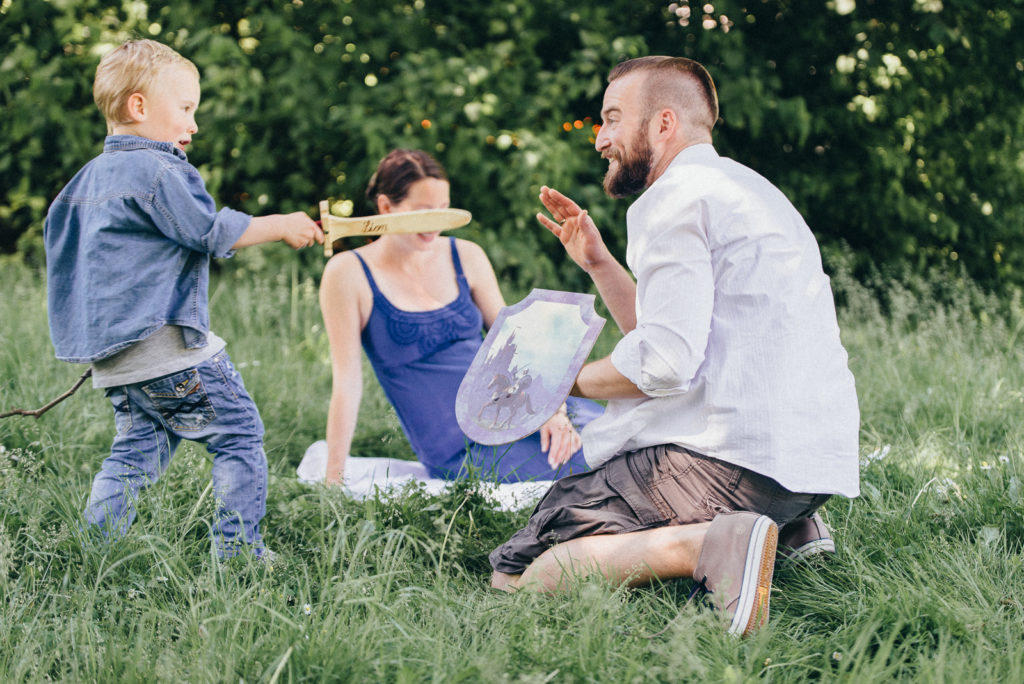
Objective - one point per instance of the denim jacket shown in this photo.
(128, 248)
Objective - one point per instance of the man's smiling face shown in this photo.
(623, 140)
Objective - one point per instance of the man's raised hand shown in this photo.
(582, 241)
(574, 228)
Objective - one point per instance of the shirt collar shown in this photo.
(695, 153)
(114, 143)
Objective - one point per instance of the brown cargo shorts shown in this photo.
(650, 487)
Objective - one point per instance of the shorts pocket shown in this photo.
(624, 480)
(182, 401)
(696, 495)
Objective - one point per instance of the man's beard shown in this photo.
(633, 171)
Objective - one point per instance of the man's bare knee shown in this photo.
(504, 581)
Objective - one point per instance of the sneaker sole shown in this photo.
(755, 590)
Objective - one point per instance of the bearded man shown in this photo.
(732, 414)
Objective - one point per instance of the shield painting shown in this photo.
(526, 366)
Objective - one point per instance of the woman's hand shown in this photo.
(335, 474)
(559, 439)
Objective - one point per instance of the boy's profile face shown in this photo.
(167, 112)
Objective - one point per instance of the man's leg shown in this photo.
(637, 558)
(662, 500)
(577, 507)
(732, 557)
(504, 581)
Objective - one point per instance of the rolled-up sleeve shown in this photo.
(675, 298)
(186, 213)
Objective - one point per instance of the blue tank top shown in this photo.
(420, 358)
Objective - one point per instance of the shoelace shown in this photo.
(700, 587)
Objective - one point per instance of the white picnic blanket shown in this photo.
(365, 475)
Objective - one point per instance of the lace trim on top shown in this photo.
(428, 330)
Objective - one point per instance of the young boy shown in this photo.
(128, 248)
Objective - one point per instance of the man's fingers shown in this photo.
(585, 219)
(557, 202)
(560, 206)
(549, 224)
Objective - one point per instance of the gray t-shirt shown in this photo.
(160, 354)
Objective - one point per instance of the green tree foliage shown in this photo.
(894, 125)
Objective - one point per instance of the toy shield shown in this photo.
(526, 365)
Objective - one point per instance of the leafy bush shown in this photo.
(894, 126)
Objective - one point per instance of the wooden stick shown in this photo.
(35, 413)
(401, 222)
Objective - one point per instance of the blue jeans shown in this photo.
(206, 404)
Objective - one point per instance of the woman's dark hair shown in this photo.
(399, 170)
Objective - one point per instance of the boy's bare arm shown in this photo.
(296, 229)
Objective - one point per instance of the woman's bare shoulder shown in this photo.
(343, 275)
(342, 266)
(472, 254)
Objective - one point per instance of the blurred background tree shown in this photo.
(895, 126)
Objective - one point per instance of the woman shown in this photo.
(417, 304)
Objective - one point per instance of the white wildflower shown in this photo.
(845, 64)
(946, 486)
(876, 455)
(844, 6)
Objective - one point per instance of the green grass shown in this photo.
(925, 587)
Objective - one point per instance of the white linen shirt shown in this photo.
(736, 344)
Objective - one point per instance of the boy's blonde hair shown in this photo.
(131, 68)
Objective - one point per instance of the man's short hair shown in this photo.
(693, 95)
(131, 68)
